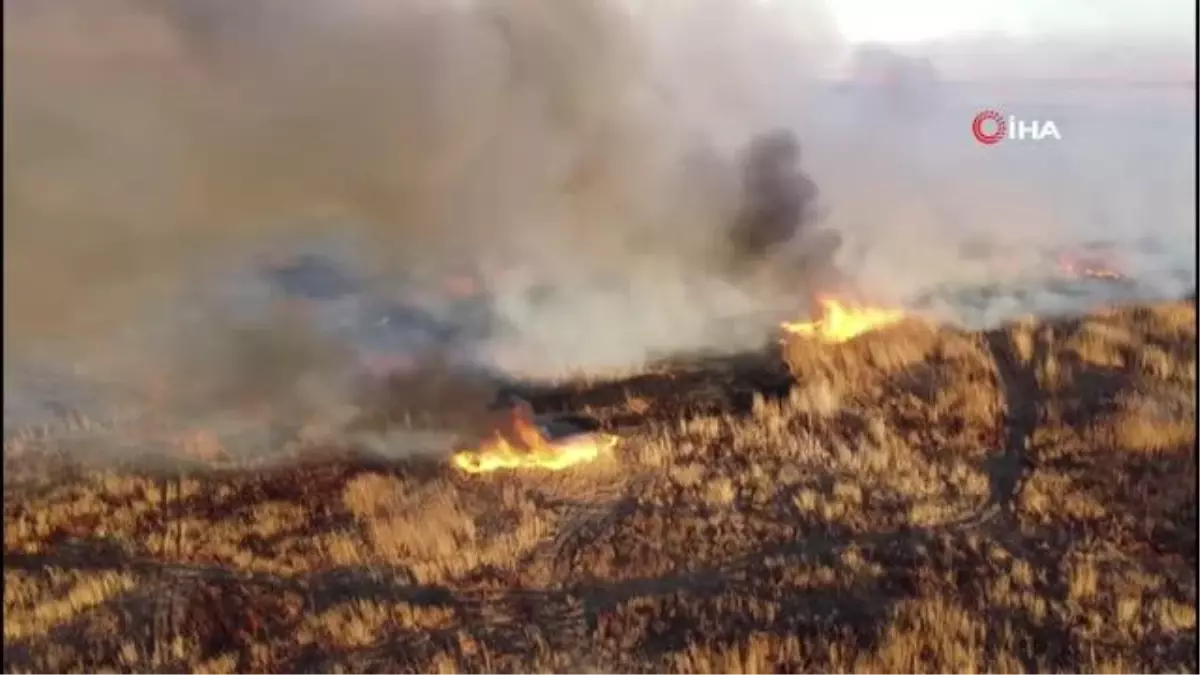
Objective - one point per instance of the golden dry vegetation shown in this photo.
(918, 500)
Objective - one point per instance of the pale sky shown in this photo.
(1118, 21)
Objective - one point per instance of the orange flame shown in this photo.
(520, 444)
(841, 322)
(1093, 269)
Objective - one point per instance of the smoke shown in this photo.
(154, 146)
(909, 186)
(151, 145)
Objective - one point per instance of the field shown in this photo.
(920, 499)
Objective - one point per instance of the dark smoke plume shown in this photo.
(778, 198)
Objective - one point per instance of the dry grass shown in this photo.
(917, 500)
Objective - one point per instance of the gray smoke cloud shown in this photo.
(150, 145)
(154, 147)
(912, 189)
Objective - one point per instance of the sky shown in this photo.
(1116, 21)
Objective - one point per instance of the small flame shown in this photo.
(520, 444)
(841, 322)
(1092, 269)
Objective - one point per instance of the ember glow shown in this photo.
(520, 444)
(841, 322)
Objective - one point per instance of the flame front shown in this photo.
(520, 444)
(1092, 269)
(842, 322)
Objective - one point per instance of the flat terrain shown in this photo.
(917, 500)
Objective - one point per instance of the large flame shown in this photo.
(841, 322)
(1074, 266)
(518, 443)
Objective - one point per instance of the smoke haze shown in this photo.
(148, 139)
(151, 143)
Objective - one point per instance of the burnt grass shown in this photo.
(919, 500)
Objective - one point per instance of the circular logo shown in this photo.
(989, 127)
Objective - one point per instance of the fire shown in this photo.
(520, 444)
(1089, 268)
(841, 322)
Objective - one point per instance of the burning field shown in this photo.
(877, 494)
(528, 337)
